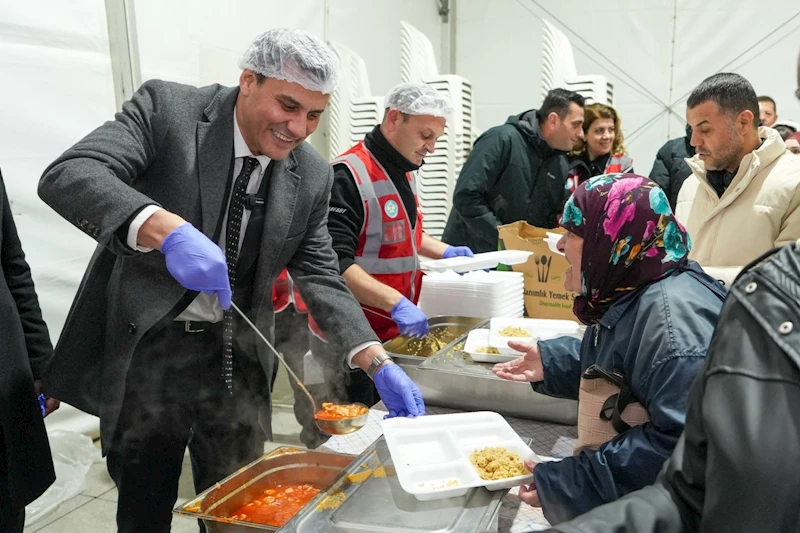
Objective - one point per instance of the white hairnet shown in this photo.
(418, 99)
(294, 56)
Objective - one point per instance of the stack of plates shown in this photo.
(474, 294)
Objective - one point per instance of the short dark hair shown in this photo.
(557, 101)
(783, 130)
(731, 92)
(770, 100)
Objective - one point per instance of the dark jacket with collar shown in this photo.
(670, 169)
(511, 174)
(657, 339)
(735, 467)
(25, 350)
(172, 145)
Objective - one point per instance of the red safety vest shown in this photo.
(387, 246)
(284, 292)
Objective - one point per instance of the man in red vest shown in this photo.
(376, 226)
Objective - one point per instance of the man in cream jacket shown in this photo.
(743, 197)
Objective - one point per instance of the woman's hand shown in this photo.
(529, 494)
(527, 368)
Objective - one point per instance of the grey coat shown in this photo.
(172, 145)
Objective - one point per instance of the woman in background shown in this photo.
(601, 151)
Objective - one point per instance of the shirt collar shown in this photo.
(240, 148)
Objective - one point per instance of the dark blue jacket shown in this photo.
(657, 338)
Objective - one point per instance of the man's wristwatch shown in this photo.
(376, 362)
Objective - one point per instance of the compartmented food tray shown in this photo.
(528, 330)
(367, 497)
(431, 454)
(477, 346)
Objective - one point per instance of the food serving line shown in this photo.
(364, 493)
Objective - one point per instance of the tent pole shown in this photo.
(123, 49)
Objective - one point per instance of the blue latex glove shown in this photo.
(410, 320)
(197, 263)
(455, 251)
(399, 394)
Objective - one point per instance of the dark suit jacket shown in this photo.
(172, 145)
(25, 350)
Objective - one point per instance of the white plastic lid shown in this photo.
(479, 262)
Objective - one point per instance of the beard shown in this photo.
(727, 156)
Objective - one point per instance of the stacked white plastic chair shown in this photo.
(437, 178)
(353, 110)
(558, 70)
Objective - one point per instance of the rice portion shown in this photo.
(497, 463)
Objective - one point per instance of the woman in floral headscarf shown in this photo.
(650, 314)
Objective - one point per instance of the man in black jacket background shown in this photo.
(516, 171)
(670, 169)
(26, 467)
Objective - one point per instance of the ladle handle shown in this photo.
(288, 368)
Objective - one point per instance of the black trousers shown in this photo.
(175, 396)
(12, 520)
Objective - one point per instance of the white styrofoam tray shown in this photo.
(479, 262)
(539, 329)
(479, 338)
(431, 453)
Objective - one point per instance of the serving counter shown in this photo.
(548, 440)
(448, 377)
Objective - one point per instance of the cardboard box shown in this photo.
(543, 273)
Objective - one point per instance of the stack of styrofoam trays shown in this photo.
(476, 294)
(552, 242)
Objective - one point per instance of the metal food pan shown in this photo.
(281, 466)
(411, 351)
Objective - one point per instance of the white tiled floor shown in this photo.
(94, 510)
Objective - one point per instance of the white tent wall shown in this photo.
(56, 88)
(200, 42)
(372, 29)
(630, 42)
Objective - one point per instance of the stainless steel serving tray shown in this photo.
(410, 351)
(283, 465)
(367, 497)
(450, 378)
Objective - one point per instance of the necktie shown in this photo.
(232, 233)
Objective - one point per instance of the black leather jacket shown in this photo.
(737, 465)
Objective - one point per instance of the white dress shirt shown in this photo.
(205, 308)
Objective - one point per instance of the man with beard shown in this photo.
(743, 196)
(735, 467)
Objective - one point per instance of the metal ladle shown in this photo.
(331, 427)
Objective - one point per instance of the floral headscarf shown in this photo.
(630, 239)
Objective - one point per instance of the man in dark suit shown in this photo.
(26, 468)
(219, 180)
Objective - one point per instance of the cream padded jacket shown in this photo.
(758, 211)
